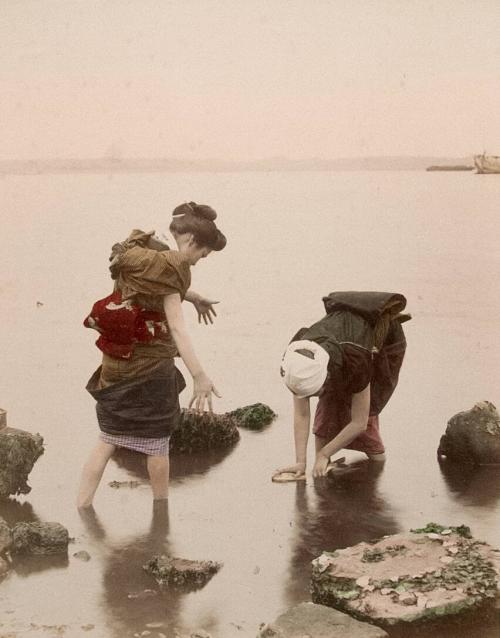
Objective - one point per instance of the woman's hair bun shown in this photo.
(203, 211)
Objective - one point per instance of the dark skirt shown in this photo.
(146, 405)
(333, 411)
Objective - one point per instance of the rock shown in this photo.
(5, 536)
(39, 538)
(421, 575)
(200, 432)
(179, 572)
(82, 555)
(472, 436)
(200, 633)
(19, 451)
(318, 621)
(252, 417)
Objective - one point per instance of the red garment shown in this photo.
(121, 324)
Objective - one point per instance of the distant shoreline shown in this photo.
(163, 165)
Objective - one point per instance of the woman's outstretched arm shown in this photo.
(204, 307)
(202, 385)
(360, 409)
(301, 423)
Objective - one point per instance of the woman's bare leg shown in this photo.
(92, 472)
(158, 470)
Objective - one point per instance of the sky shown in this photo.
(249, 79)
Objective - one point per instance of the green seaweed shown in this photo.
(436, 528)
(253, 417)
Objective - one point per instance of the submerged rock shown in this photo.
(179, 572)
(473, 436)
(318, 621)
(18, 452)
(39, 538)
(418, 576)
(199, 432)
(252, 417)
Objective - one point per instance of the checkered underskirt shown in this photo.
(151, 447)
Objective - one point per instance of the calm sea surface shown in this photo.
(292, 237)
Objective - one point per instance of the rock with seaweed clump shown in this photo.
(180, 572)
(200, 432)
(253, 417)
(473, 436)
(423, 575)
(19, 451)
(39, 538)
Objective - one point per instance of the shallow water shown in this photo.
(293, 237)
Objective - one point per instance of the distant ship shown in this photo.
(487, 163)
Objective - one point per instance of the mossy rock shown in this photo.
(180, 572)
(39, 538)
(200, 432)
(253, 417)
(19, 450)
(420, 576)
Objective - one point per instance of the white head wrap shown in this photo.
(303, 375)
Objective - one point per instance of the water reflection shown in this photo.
(130, 595)
(472, 484)
(334, 513)
(181, 465)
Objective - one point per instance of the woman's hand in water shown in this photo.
(320, 465)
(202, 391)
(299, 469)
(205, 309)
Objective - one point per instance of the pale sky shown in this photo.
(249, 79)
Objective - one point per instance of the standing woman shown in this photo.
(142, 329)
(351, 359)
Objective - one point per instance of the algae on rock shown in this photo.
(180, 572)
(19, 451)
(39, 538)
(199, 432)
(253, 417)
(417, 576)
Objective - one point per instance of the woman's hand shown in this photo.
(320, 465)
(205, 309)
(202, 391)
(299, 469)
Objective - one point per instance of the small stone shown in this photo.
(434, 536)
(452, 550)
(88, 627)
(445, 532)
(146, 632)
(408, 598)
(155, 625)
(385, 591)
(82, 555)
(200, 633)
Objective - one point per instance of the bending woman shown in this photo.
(142, 329)
(350, 359)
